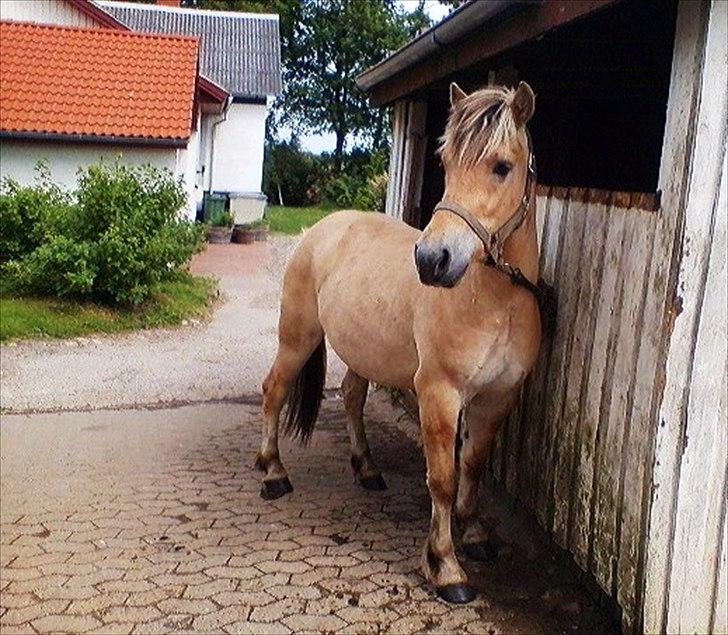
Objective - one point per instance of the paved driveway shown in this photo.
(150, 521)
(115, 518)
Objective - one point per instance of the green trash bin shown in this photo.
(213, 204)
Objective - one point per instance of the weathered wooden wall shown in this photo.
(620, 438)
(575, 450)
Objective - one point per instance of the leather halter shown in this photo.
(494, 241)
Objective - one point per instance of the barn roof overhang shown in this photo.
(474, 32)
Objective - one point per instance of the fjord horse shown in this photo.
(459, 324)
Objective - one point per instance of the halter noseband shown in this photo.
(494, 241)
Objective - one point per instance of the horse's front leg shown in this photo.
(440, 405)
(483, 419)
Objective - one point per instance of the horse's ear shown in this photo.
(524, 103)
(456, 94)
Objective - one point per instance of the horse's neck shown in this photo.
(521, 248)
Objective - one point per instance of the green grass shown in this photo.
(291, 220)
(186, 296)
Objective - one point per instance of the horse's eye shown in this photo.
(502, 168)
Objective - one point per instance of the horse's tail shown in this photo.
(306, 394)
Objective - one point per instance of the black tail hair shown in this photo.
(306, 394)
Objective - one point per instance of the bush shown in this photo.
(28, 214)
(362, 182)
(221, 218)
(373, 195)
(293, 177)
(118, 235)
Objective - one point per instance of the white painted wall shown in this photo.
(45, 12)
(18, 159)
(237, 162)
(187, 167)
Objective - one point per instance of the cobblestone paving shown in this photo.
(150, 521)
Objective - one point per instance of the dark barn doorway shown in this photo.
(602, 85)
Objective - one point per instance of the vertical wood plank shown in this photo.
(406, 164)
(636, 445)
(395, 158)
(528, 470)
(586, 272)
(687, 121)
(552, 259)
(617, 400)
(414, 161)
(720, 610)
(605, 265)
(704, 461)
(567, 281)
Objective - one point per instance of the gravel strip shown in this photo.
(221, 359)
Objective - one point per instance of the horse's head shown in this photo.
(485, 153)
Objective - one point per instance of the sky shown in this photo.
(326, 142)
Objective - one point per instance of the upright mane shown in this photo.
(477, 125)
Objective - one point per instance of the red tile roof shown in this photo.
(96, 82)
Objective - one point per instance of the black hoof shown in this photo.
(276, 488)
(480, 551)
(373, 483)
(456, 593)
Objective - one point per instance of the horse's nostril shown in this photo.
(444, 261)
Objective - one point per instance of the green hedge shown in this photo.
(111, 240)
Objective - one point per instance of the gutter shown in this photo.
(454, 27)
(87, 138)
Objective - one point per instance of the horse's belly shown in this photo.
(370, 328)
(379, 362)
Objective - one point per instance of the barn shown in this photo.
(619, 445)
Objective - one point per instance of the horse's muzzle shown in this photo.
(437, 267)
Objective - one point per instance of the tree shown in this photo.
(325, 45)
(248, 6)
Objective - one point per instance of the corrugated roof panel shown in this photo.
(239, 51)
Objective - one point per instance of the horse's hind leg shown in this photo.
(299, 334)
(276, 387)
(354, 389)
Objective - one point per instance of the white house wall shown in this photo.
(45, 12)
(204, 156)
(237, 163)
(18, 160)
(188, 167)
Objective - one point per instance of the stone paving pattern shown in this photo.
(150, 521)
